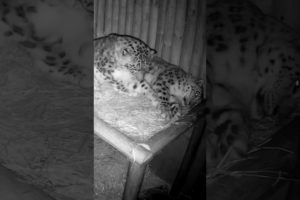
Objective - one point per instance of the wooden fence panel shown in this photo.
(175, 28)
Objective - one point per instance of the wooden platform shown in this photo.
(141, 153)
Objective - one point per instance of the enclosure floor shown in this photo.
(46, 128)
(110, 169)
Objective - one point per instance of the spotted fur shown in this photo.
(131, 67)
(47, 30)
(177, 90)
(253, 73)
(119, 60)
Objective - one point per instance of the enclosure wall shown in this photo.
(175, 28)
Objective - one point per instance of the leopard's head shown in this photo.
(131, 52)
(278, 95)
(120, 51)
(196, 94)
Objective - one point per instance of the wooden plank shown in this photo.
(99, 18)
(96, 21)
(161, 139)
(108, 17)
(145, 20)
(137, 21)
(153, 23)
(169, 28)
(161, 26)
(178, 31)
(129, 16)
(135, 152)
(198, 55)
(189, 35)
(115, 16)
(122, 19)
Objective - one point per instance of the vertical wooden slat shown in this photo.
(137, 21)
(122, 18)
(108, 17)
(115, 16)
(161, 26)
(169, 27)
(198, 51)
(129, 16)
(145, 20)
(172, 27)
(99, 18)
(178, 31)
(189, 35)
(153, 23)
(96, 23)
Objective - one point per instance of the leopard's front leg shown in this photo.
(169, 110)
(102, 75)
(142, 87)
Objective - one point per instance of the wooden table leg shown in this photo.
(134, 180)
(188, 159)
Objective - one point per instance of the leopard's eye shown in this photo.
(296, 86)
(198, 94)
(297, 83)
(125, 52)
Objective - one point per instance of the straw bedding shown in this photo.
(134, 116)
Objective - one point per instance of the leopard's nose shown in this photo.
(140, 75)
(258, 109)
(265, 104)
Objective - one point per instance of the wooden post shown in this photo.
(153, 23)
(178, 31)
(134, 180)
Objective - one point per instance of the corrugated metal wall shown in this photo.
(175, 28)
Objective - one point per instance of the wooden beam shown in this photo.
(134, 151)
(135, 175)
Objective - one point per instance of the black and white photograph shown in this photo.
(46, 92)
(149, 100)
(149, 87)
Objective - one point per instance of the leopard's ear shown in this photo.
(112, 36)
(153, 51)
(200, 82)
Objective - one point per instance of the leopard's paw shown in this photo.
(165, 115)
(165, 112)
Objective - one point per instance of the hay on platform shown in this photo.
(134, 116)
